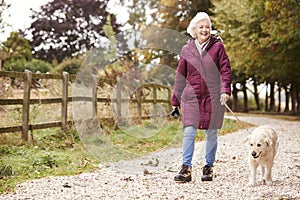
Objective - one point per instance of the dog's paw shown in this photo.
(251, 184)
(269, 183)
(262, 181)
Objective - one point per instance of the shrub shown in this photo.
(33, 65)
(5, 170)
(70, 65)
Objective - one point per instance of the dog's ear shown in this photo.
(268, 141)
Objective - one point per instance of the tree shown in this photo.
(173, 15)
(262, 39)
(282, 25)
(65, 28)
(3, 7)
(19, 56)
(176, 15)
(34, 65)
(3, 55)
(70, 65)
(17, 47)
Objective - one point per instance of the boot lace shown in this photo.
(183, 169)
(207, 170)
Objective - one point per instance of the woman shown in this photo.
(202, 86)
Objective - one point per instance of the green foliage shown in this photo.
(70, 65)
(262, 41)
(282, 24)
(261, 37)
(5, 170)
(46, 160)
(170, 136)
(51, 153)
(169, 14)
(17, 47)
(174, 15)
(33, 65)
(19, 57)
(111, 36)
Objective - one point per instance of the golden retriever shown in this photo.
(263, 142)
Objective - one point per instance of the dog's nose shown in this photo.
(253, 153)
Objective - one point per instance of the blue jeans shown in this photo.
(189, 143)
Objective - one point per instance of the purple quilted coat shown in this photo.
(199, 82)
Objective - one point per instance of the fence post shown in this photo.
(94, 95)
(26, 104)
(154, 101)
(170, 99)
(139, 104)
(119, 102)
(64, 103)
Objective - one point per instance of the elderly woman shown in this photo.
(202, 86)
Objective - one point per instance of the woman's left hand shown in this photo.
(224, 98)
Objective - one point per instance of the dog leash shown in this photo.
(236, 117)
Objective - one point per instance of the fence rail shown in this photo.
(26, 101)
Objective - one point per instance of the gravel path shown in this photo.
(151, 177)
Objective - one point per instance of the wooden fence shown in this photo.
(65, 78)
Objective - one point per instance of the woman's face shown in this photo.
(202, 31)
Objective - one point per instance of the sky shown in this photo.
(18, 15)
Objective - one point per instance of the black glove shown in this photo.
(175, 113)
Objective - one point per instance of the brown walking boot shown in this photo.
(184, 175)
(207, 173)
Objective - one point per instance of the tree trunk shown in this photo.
(293, 98)
(245, 109)
(279, 98)
(297, 99)
(256, 95)
(287, 98)
(235, 97)
(272, 96)
(266, 98)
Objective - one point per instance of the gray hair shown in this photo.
(198, 17)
